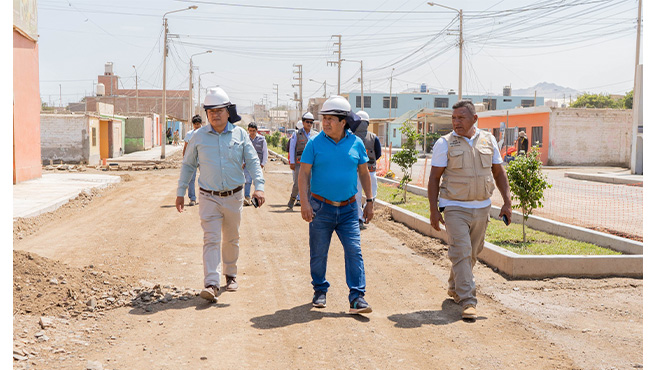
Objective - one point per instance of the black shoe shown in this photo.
(319, 299)
(359, 305)
(298, 202)
(362, 225)
(290, 204)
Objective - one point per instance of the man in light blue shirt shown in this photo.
(219, 150)
(335, 158)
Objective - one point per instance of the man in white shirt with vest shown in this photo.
(468, 163)
(296, 146)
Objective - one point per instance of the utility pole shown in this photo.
(276, 85)
(338, 62)
(166, 51)
(136, 84)
(637, 60)
(60, 98)
(361, 87)
(163, 118)
(390, 99)
(299, 72)
(461, 42)
(361, 82)
(191, 88)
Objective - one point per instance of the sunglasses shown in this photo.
(308, 121)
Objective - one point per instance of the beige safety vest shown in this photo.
(468, 173)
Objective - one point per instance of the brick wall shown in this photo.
(64, 137)
(596, 137)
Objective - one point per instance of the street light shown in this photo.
(324, 86)
(191, 85)
(460, 42)
(199, 88)
(166, 50)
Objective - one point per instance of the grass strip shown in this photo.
(508, 237)
(278, 150)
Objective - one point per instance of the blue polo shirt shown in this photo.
(334, 165)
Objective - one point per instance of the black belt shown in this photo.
(222, 193)
(336, 204)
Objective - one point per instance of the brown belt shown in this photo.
(336, 204)
(222, 193)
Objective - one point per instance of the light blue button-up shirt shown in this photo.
(220, 157)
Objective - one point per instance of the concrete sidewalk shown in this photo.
(52, 190)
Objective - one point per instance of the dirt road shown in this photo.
(132, 235)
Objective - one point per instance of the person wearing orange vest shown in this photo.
(468, 163)
(296, 146)
(374, 151)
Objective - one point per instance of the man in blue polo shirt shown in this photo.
(334, 160)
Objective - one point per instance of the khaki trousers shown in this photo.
(220, 218)
(466, 229)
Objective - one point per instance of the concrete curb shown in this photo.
(616, 243)
(283, 159)
(604, 178)
(605, 240)
(531, 267)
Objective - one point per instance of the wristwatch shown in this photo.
(370, 200)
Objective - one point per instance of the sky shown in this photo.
(587, 45)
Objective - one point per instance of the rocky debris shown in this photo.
(38, 290)
(45, 322)
(65, 167)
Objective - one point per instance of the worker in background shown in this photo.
(297, 144)
(372, 145)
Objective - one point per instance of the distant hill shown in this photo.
(547, 90)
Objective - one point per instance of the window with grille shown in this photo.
(395, 102)
(441, 103)
(536, 136)
(367, 102)
(491, 104)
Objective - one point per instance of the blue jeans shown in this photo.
(344, 221)
(191, 191)
(247, 185)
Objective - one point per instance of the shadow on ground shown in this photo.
(298, 315)
(198, 303)
(449, 314)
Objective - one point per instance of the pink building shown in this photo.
(27, 101)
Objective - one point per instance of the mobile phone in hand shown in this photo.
(505, 220)
(255, 202)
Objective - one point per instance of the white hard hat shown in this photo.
(363, 115)
(336, 105)
(299, 124)
(216, 98)
(308, 115)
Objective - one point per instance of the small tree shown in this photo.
(527, 184)
(406, 157)
(283, 143)
(275, 138)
